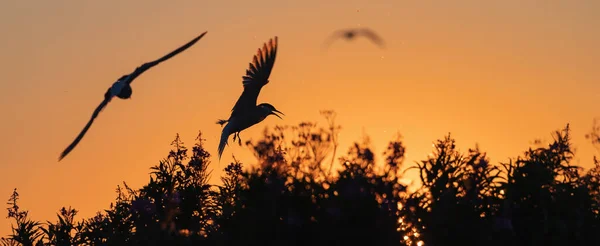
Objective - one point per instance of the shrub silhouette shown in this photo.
(294, 197)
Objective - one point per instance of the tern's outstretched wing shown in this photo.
(86, 128)
(372, 36)
(257, 75)
(139, 70)
(334, 36)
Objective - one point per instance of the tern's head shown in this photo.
(121, 88)
(350, 34)
(268, 109)
(125, 92)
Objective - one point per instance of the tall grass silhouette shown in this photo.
(292, 196)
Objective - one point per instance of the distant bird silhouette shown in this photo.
(246, 113)
(122, 89)
(354, 32)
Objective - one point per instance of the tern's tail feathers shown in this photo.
(224, 137)
(222, 122)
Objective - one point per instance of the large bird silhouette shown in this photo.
(122, 89)
(353, 33)
(246, 113)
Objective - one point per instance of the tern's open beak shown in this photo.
(275, 110)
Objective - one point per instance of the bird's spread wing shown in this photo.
(85, 129)
(257, 75)
(148, 65)
(371, 35)
(334, 36)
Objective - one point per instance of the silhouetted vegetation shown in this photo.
(293, 196)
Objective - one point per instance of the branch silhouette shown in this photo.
(286, 197)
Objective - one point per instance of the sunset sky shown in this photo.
(497, 73)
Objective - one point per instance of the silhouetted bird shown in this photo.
(122, 89)
(354, 32)
(246, 113)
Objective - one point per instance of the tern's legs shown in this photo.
(237, 135)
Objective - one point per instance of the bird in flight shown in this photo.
(122, 89)
(350, 34)
(246, 113)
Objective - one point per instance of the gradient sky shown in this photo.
(497, 73)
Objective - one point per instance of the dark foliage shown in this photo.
(295, 197)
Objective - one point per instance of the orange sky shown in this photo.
(497, 73)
